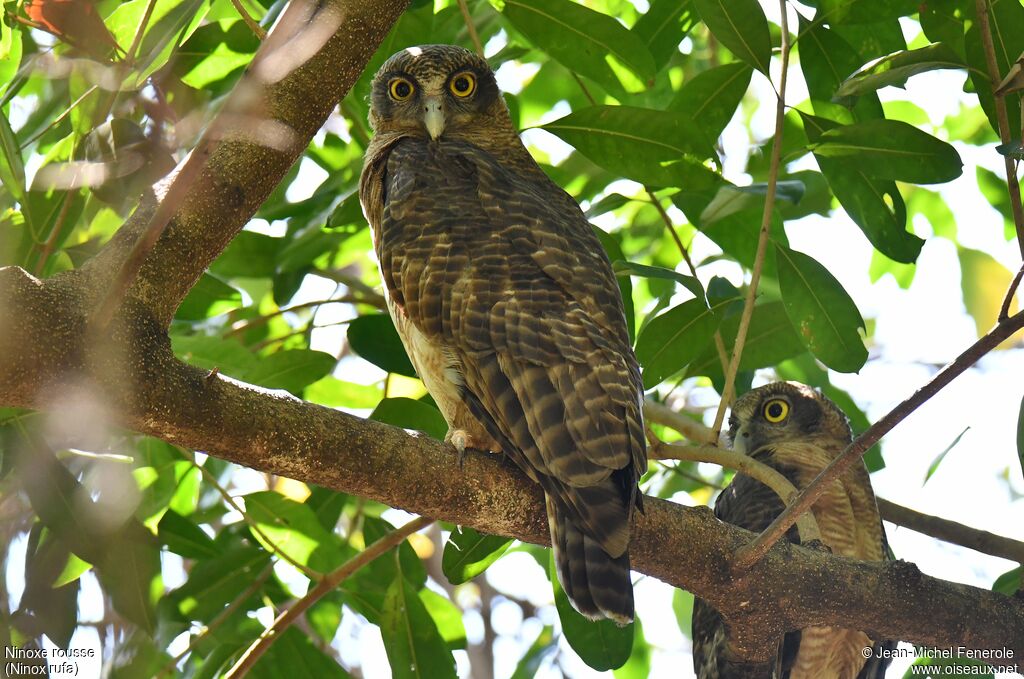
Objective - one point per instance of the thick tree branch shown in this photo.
(307, 64)
(952, 532)
(148, 390)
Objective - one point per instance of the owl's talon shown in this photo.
(460, 440)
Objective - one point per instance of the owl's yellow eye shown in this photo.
(400, 89)
(776, 410)
(463, 85)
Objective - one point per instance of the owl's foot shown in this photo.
(462, 440)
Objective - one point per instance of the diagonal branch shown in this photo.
(750, 554)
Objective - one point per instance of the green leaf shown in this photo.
(664, 26)
(1009, 583)
(875, 205)
(639, 664)
(409, 413)
(207, 353)
(1020, 437)
(682, 606)
(290, 652)
(891, 149)
(335, 393)
(182, 536)
(214, 582)
(711, 97)
(223, 60)
(649, 146)
(414, 646)
(741, 26)
(602, 644)
(896, 68)
(374, 338)
(209, 297)
(934, 466)
(771, 339)
(73, 569)
(622, 268)
(826, 60)
(825, 317)
(248, 255)
(468, 553)
(543, 646)
(447, 616)
(671, 340)
(12, 170)
(293, 529)
(983, 281)
(585, 41)
(732, 199)
(291, 369)
(865, 11)
(613, 248)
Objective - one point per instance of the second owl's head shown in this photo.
(785, 412)
(434, 90)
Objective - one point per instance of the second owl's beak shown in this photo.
(433, 116)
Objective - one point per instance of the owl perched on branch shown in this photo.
(797, 431)
(508, 308)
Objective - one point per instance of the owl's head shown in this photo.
(783, 412)
(435, 90)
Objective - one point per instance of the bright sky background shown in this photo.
(916, 329)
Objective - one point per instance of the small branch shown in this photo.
(219, 619)
(249, 21)
(304, 569)
(1013, 187)
(322, 588)
(952, 532)
(753, 552)
(688, 427)
(260, 320)
(745, 464)
(762, 241)
(471, 28)
(1004, 310)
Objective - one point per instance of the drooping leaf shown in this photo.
(660, 148)
(291, 528)
(771, 339)
(875, 205)
(294, 650)
(826, 319)
(934, 466)
(334, 393)
(663, 26)
(374, 338)
(585, 41)
(741, 26)
(447, 616)
(674, 338)
(209, 297)
(603, 645)
(468, 553)
(182, 536)
(826, 60)
(1009, 583)
(409, 413)
(622, 268)
(543, 646)
(712, 96)
(983, 281)
(411, 638)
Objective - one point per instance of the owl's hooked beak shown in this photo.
(433, 116)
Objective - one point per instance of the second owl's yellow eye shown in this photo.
(463, 85)
(776, 410)
(400, 89)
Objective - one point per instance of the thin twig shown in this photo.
(219, 619)
(304, 569)
(249, 21)
(1004, 310)
(583, 86)
(688, 427)
(471, 28)
(951, 531)
(787, 492)
(260, 320)
(1013, 187)
(762, 241)
(751, 553)
(322, 588)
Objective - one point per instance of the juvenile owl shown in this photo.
(797, 431)
(508, 308)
